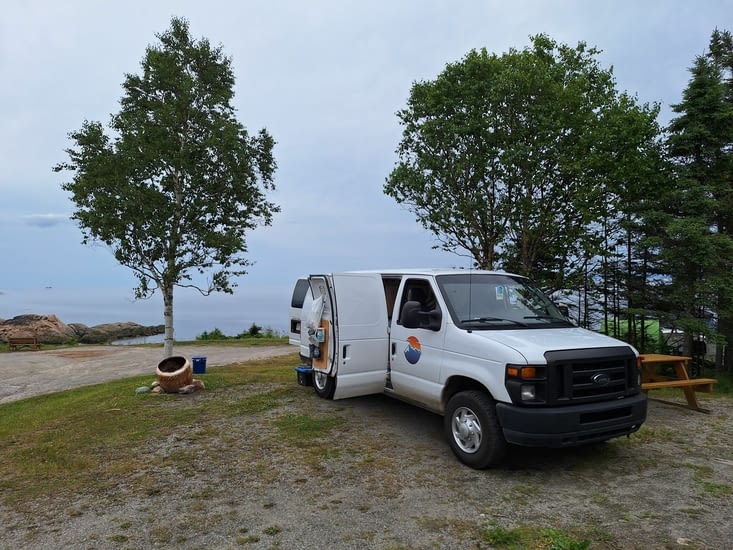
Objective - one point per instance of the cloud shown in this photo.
(46, 220)
(326, 82)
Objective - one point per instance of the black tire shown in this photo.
(473, 430)
(323, 384)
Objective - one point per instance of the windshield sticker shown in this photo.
(499, 293)
(413, 350)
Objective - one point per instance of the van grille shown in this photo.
(587, 375)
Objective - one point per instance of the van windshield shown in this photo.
(481, 301)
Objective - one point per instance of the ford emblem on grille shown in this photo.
(600, 379)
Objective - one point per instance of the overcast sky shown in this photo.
(324, 77)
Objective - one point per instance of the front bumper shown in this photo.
(571, 425)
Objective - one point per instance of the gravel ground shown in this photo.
(383, 477)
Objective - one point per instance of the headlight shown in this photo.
(527, 384)
(528, 392)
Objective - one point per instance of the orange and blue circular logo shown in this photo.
(413, 350)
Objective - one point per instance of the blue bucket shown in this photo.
(199, 365)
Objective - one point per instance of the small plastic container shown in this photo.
(305, 376)
(199, 365)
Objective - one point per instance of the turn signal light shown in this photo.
(529, 372)
(525, 373)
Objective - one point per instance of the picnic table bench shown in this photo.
(18, 342)
(652, 380)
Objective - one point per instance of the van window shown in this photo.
(391, 286)
(418, 290)
(496, 301)
(299, 292)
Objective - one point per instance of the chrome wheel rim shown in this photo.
(320, 379)
(466, 429)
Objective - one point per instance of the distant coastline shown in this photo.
(49, 329)
(193, 314)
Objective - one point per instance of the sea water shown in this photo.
(193, 313)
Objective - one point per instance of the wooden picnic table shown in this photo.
(652, 380)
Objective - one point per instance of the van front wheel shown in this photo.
(324, 384)
(473, 430)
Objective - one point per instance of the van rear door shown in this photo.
(300, 305)
(321, 318)
(355, 327)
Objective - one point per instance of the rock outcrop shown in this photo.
(49, 329)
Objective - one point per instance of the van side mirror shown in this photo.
(413, 317)
(434, 319)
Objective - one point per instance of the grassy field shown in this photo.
(254, 456)
(73, 437)
(76, 438)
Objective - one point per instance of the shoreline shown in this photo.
(193, 314)
(49, 329)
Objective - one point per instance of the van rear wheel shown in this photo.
(473, 429)
(324, 384)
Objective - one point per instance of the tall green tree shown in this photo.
(632, 173)
(698, 237)
(179, 183)
(511, 158)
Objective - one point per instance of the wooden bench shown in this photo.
(651, 380)
(700, 384)
(23, 342)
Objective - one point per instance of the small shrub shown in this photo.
(500, 537)
(215, 334)
(532, 537)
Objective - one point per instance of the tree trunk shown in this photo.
(725, 327)
(168, 319)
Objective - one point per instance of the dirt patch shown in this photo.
(373, 472)
(83, 354)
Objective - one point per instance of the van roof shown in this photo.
(432, 271)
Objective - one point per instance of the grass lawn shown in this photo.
(77, 437)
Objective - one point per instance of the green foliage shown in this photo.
(178, 184)
(215, 334)
(255, 332)
(501, 537)
(696, 220)
(532, 537)
(725, 380)
(515, 158)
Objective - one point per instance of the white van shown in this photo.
(487, 350)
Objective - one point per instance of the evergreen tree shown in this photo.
(698, 236)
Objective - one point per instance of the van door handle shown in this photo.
(394, 348)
